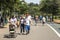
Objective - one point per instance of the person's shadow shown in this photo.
(13, 36)
(9, 36)
(21, 34)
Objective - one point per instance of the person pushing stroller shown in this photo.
(12, 26)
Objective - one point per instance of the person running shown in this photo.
(22, 25)
(43, 20)
(27, 23)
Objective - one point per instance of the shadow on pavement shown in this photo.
(9, 36)
(2, 27)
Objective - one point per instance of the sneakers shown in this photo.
(27, 32)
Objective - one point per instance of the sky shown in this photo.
(34, 1)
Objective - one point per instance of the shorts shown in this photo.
(27, 27)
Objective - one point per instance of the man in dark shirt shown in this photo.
(1, 21)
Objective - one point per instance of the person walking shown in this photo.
(46, 18)
(43, 20)
(22, 25)
(36, 20)
(50, 18)
(13, 21)
(27, 23)
(1, 21)
(40, 18)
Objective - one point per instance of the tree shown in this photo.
(33, 8)
(49, 7)
(8, 6)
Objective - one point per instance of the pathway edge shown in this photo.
(54, 30)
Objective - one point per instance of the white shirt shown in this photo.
(13, 21)
(22, 21)
(28, 19)
(44, 19)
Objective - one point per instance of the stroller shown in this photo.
(12, 32)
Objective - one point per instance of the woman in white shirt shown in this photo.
(27, 24)
(13, 21)
(43, 20)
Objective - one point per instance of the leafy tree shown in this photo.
(50, 7)
(33, 8)
(8, 6)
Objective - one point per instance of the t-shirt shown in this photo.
(44, 19)
(13, 21)
(22, 21)
(28, 19)
(40, 17)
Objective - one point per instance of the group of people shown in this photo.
(24, 23)
(42, 19)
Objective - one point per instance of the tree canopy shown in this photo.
(10, 7)
(49, 6)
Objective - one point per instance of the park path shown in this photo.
(38, 32)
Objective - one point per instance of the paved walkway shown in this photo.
(38, 32)
(55, 26)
